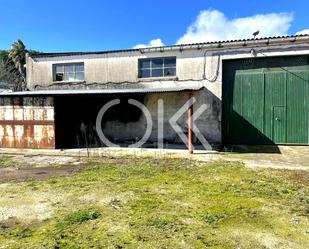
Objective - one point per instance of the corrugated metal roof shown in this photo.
(182, 46)
(102, 91)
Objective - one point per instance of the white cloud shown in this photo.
(303, 32)
(152, 43)
(213, 25)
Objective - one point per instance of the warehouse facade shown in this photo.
(252, 91)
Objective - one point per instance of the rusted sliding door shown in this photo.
(27, 122)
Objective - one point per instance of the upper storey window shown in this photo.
(68, 72)
(157, 67)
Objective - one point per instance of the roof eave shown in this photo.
(282, 40)
(101, 91)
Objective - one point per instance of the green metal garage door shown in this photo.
(266, 101)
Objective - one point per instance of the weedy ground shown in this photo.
(158, 203)
(6, 161)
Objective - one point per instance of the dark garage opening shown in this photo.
(75, 119)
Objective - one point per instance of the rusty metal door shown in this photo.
(27, 122)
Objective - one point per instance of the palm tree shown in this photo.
(18, 56)
(12, 66)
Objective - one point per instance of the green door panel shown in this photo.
(265, 100)
(275, 95)
(298, 106)
(250, 110)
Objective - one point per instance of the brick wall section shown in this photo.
(27, 122)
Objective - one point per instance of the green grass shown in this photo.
(147, 203)
(82, 216)
(6, 161)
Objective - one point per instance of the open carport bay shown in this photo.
(75, 120)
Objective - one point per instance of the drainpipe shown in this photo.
(190, 126)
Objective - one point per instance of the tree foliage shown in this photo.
(12, 66)
(18, 55)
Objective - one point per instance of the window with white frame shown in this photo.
(68, 72)
(157, 67)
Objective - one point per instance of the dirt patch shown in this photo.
(23, 174)
(26, 167)
(38, 211)
(24, 161)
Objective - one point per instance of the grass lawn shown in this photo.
(166, 203)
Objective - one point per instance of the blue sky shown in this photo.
(55, 26)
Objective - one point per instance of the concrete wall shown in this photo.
(172, 102)
(120, 70)
(27, 122)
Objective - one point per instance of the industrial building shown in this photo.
(254, 92)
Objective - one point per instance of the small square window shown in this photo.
(157, 67)
(68, 72)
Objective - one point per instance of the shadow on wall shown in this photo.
(245, 138)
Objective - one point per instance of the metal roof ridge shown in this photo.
(182, 46)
